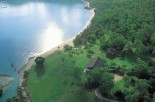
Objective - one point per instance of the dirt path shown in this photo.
(98, 95)
(117, 78)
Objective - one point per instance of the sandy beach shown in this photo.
(60, 47)
(5, 80)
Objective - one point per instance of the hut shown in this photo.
(94, 63)
(111, 52)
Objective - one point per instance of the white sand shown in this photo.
(5, 80)
(60, 47)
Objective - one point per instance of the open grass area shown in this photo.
(52, 83)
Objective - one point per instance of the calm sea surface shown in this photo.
(30, 27)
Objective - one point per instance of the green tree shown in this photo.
(93, 78)
(67, 48)
(153, 40)
(26, 73)
(128, 48)
(112, 40)
(14, 99)
(79, 41)
(132, 95)
(107, 83)
(137, 90)
(142, 85)
(140, 69)
(40, 61)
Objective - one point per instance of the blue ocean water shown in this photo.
(30, 27)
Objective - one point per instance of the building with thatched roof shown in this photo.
(94, 63)
(111, 52)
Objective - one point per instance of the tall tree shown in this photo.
(107, 83)
(40, 61)
(94, 78)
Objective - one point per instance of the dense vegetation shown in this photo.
(126, 25)
(126, 29)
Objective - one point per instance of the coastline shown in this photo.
(5, 80)
(31, 62)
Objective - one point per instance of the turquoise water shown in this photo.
(30, 27)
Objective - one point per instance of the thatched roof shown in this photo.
(111, 51)
(95, 62)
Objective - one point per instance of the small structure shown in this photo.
(118, 70)
(111, 52)
(94, 62)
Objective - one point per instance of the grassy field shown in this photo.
(52, 83)
(49, 83)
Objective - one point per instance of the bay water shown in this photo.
(31, 27)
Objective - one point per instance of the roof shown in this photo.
(118, 69)
(111, 51)
(95, 62)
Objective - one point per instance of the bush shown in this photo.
(40, 61)
(67, 48)
(26, 73)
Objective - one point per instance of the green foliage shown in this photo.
(40, 61)
(132, 95)
(125, 25)
(67, 48)
(81, 95)
(112, 40)
(94, 78)
(119, 22)
(137, 90)
(107, 83)
(60, 78)
(140, 70)
(142, 86)
(26, 74)
(14, 99)
(90, 51)
(128, 48)
(79, 41)
(153, 40)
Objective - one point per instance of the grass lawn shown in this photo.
(52, 83)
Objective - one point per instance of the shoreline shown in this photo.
(5, 80)
(31, 62)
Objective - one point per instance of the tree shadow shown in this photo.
(40, 70)
(110, 57)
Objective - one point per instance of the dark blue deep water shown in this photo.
(30, 27)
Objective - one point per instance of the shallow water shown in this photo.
(30, 27)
